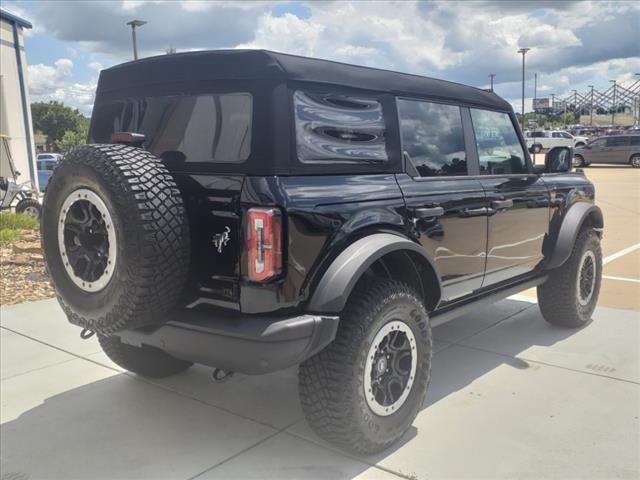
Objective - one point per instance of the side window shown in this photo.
(499, 148)
(179, 129)
(617, 141)
(339, 128)
(599, 143)
(566, 135)
(432, 137)
(556, 135)
(635, 140)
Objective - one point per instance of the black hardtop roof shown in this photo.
(264, 64)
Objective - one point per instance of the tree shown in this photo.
(73, 138)
(54, 119)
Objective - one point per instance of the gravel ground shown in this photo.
(23, 277)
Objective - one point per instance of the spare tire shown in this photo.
(115, 238)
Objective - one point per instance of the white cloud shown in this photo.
(47, 82)
(96, 66)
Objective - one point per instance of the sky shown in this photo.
(573, 43)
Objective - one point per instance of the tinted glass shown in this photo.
(44, 157)
(339, 128)
(565, 135)
(499, 148)
(599, 143)
(178, 129)
(635, 140)
(617, 141)
(432, 137)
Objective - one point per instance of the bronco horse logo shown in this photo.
(221, 239)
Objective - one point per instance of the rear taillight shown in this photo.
(264, 243)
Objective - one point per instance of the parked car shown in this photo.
(614, 149)
(538, 141)
(252, 211)
(46, 163)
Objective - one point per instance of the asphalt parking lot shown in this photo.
(510, 396)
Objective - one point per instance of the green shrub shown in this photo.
(17, 221)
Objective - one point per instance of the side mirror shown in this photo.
(558, 160)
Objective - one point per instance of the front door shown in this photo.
(518, 200)
(446, 209)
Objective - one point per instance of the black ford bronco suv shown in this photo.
(252, 211)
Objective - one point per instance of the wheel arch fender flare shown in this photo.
(340, 278)
(571, 224)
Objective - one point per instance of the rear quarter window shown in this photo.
(339, 128)
(182, 129)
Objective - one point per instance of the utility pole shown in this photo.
(492, 76)
(591, 106)
(553, 104)
(535, 86)
(575, 104)
(523, 51)
(613, 110)
(564, 115)
(134, 24)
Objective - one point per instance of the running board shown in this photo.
(456, 310)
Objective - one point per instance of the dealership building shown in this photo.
(15, 113)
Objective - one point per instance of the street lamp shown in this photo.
(523, 51)
(553, 104)
(492, 76)
(613, 110)
(591, 106)
(575, 105)
(134, 24)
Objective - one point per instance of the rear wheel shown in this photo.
(569, 297)
(145, 361)
(635, 161)
(30, 207)
(365, 389)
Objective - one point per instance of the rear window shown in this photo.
(339, 128)
(178, 129)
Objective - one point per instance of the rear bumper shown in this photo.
(245, 344)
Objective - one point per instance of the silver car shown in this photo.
(615, 149)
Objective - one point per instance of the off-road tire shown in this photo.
(26, 203)
(151, 229)
(558, 297)
(634, 161)
(145, 361)
(331, 383)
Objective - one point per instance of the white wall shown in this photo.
(12, 114)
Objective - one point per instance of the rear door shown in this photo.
(618, 149)
(446, 207)
(518, 200)
(196, 136)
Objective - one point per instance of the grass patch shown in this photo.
(8, 235)
(12, 224)
(17, 221)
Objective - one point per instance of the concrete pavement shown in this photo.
(510, 397)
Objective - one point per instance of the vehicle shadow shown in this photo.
(123, 426)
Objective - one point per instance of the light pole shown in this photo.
(575, 104)
(591, 106)
(134, 24)
(523, 51)
(613, 110)
(553, 104)
(535, 86)
(492, 76)
(637, 99)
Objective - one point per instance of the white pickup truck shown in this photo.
(546, 139)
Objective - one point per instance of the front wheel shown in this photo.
(578, 161)
(568, 298)
(365, 389)
(537, 148)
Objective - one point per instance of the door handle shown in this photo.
(428, 212)
(476, 212)
(502, 204)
